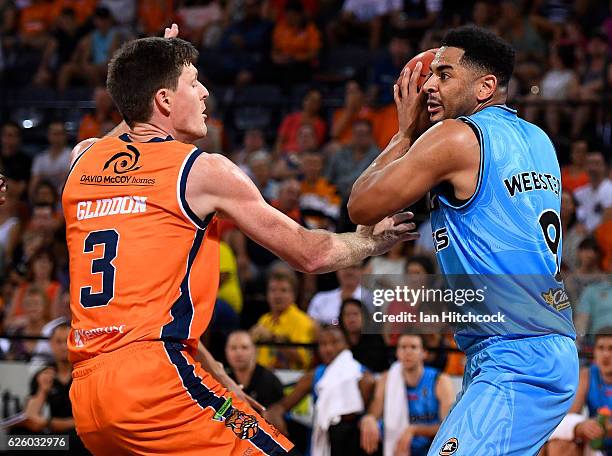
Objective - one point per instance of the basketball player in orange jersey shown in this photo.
(141, 214)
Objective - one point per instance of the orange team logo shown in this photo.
(244, 426)
(450, 447)
(124, 162)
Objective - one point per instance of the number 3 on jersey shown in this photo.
(110, 240)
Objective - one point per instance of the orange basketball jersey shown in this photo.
(143, 266)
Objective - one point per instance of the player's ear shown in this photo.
(487, 87)
(163, 101)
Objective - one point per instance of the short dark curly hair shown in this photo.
(142, 67)
(484, 50)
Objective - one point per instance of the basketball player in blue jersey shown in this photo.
(495, 188)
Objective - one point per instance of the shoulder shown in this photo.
(450, 133)
(81, 147)
(206, 165)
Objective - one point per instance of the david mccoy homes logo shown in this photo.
(116, 169)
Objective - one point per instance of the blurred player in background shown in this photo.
(141, 215)
(495, 199)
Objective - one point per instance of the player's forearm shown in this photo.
(331, 252)
(61, 424)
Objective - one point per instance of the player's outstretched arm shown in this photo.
(216, 184)
(446, 152)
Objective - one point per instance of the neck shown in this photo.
(56, 150)
(244, 375)
(596, 181)
(143, 132)
(354, 337)
(413, 374)
(64, 367)
(497, 99)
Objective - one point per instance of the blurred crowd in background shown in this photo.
(301, 99)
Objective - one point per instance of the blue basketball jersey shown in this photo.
(509, 231)
(423, 407)
(599, 395)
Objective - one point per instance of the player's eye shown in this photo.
(444, 76)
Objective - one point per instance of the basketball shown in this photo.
(426, 57)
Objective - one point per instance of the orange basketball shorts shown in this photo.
(154, 398)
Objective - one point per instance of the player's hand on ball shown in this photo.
(411, 103)
(171, 32)
(390, 231)
(369, 434)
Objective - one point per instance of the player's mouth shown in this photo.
(433, 107)
(204, 115)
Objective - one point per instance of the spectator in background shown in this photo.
(416, 18)
(14, 163)
(319, 200)
(35, 316)
(574, 175)
(346, 165)
(559, 83)
(411, 399)
(93, 52)
(296, 42)
(339, 375)
(354, 109)
(10, 226)
(387, 270)
(519, 31)
(245, 43)
(253, 141)
(587, 271)
(325, 305)
(229, 286)
(576, 432)
(214, 141)
(40, 276)
(260, 164)
(288, 201)
(596, 196)
(34, 24)
(102, 120)
(51, 387)
(288, 131)
(83, 9)
(276, 9)
(603, 235)
(369, 349)
(53, 163)
(284, 323)
(594, 310)
(257, 381)
(59, 50)
(594, 79)
(573, 232)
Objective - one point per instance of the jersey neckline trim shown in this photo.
(126, 138)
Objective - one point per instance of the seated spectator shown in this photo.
(573, 232)
(407, 389)
(594, 79)
(53, 163)
(603, 235)
(214, 141)
(319, 200)
(325, 305)
(587, 271)
(369, 349)
(257, 381)
(65, 36)
(295, 44)
(102, 120)
(34, 23)
(387, 68)
(260, 164)
(574, 175)
(387, 270)
(559, 83)
(253, 141)
(354, 109)
(416, 18)
(576, 431)
(50, 388)
(288, 201)
(245, 43)
(10, 226)
(276, 9)
(31, 322)
(14, 163)
(346, 165)
(41, 276)
(596, 196)
(594, 310)
(284, 323)
(83, 9)
(339, 376)
(93, 52)
(288, 131)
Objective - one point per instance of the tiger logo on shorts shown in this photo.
(244, 426)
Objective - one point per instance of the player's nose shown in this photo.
(430, 84)
(204, 91)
